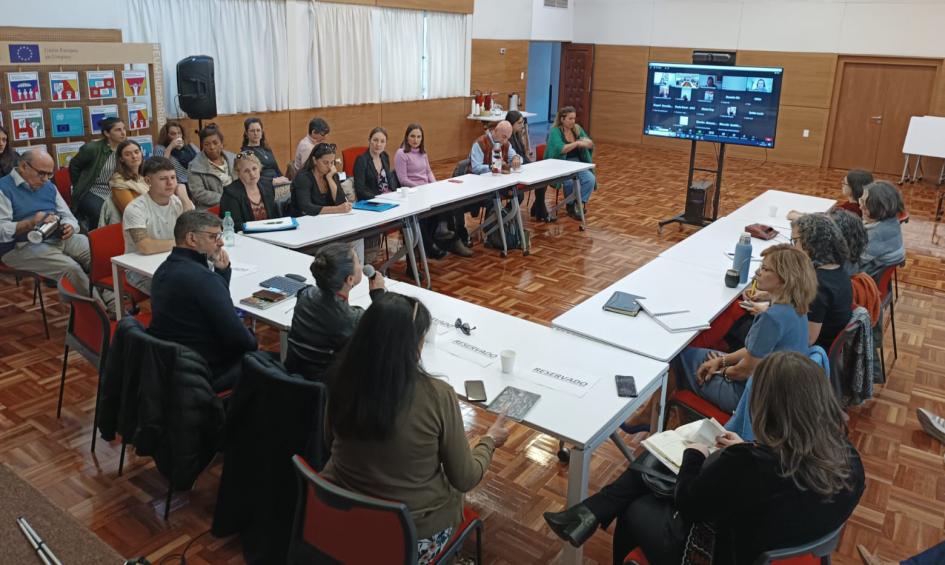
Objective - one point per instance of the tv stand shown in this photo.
(687, 217)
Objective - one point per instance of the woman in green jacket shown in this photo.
(570, 142)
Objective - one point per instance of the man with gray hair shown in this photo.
(28, 201)
(191, 303)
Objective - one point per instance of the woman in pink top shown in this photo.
(413, 169)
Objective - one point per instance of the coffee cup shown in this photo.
(731, 278)
(508, 361)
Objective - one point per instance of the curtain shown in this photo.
(246, 38)
(398, 36)
(302, 61)
(344, 46)
(447, 44)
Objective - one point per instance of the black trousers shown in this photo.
(643, 520)
(89, 209)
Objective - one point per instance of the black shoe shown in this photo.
(435, 252)
(573, 212)
(442, 232)
(574, 525)
(541, 214)
(460, 248)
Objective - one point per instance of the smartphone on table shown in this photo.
(626, 386)
(475, 391)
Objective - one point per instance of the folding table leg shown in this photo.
(501, 222)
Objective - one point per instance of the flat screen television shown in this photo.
(736, 105)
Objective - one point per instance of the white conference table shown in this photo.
(583, 422)
(758, 210)
(252, 262)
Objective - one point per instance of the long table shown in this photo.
(583, 422)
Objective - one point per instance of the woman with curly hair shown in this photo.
(854, 233)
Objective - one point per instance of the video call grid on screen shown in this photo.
(736, 105)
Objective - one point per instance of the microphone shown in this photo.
(369, 271)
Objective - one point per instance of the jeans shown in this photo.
(721, 392)
(932, 556)
(587, 180)
(89, 210)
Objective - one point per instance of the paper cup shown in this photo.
(773, 211)
(430, 338)
(508, 361)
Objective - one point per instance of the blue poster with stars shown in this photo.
(24, 53)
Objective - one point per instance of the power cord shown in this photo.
(182, 556)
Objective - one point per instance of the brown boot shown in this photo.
(460, 248)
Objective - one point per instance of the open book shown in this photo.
(668, 446)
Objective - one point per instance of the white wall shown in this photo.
(92, 14)
(502, 19)
(552, 24)
(876, 27)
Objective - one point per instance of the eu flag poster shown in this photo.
(24, 53)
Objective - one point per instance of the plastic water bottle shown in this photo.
(496, 159)
(742, 262)
(229, 234)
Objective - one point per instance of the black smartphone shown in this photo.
(475, 391)
(626, 386)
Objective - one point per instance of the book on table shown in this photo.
(669, 446)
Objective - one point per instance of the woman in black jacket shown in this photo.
(316, 189)
(799, 481)
(323, 320)
(372, 172)
(250, 197)
(8, 156)
(254, 140)
(520, 143)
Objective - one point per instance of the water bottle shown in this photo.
(496, 159)
(742, 262)
(229, 234)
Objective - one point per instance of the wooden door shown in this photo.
(574, 88)
(875, 103)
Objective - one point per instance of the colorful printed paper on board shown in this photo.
(134, 83)
(27, 124)
(138, 117)
(66, 122)
(24, 87)
(99, 113)
(25, 148)
(146, 143)
(64, 86)
(101, 84)
(66, 151)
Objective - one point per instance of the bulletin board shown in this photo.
(52, 94)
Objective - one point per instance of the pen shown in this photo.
(670, 313)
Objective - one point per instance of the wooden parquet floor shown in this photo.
(902, 511)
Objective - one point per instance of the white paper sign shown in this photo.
(470, 352)
(573, 382)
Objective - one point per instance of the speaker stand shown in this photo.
(719, 162)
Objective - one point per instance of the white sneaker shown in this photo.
(932, 424)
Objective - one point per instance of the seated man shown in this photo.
(28, 199)
(148, 222)
(317, 132)
(191, 303)
(480, 156)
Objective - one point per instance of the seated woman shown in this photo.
(852, 188)
(173, 145)
(830, 312)
(372, 172)
(397, 430)
(127, 182)
(323, 320)
(799, 481)
(786, 277)
(8, 156)
(250, 197)
(413, 169)
(854, 233)
(254, 140)
(568, 141)
(316, 189)
(521, 144)
(210, 170)
(882, 204)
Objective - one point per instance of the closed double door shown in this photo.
(873, 110)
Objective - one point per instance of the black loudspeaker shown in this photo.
(699, 201)
(197, 94)
(726, 58)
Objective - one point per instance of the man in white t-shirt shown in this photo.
(148, 221)
(317, 132)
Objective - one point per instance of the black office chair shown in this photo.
(821, 548)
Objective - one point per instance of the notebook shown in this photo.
(274, 224)
(514, 402)
(623, 303)
(675, 321)
(669, 446)
(374, 205)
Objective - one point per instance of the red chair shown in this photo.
(104, 243)
(89, 332)
(37, 289)
(336, 525)
(540, 151)
(700, 407)
(64, 184)
(215, 210)
(348, 156)
(885, 290)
